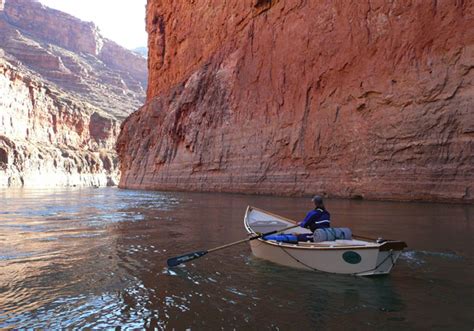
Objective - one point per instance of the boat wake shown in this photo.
(421, 257)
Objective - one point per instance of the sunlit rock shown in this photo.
(349, 99)
(64, 92)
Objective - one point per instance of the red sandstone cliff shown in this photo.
(64, 91)
(368, 99)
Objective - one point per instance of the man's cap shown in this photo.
(317, 198)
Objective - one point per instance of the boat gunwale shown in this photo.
(293, 246)
(374, 245)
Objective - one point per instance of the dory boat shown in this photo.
(347, 256)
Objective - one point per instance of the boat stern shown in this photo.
(389, 252)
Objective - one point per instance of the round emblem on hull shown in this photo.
(352, 257)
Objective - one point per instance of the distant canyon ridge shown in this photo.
(356, 99)
(64, 90)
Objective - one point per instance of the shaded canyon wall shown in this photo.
(370, 99)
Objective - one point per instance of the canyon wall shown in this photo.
(369, 99)
(73, 55)
(64, 92)
(49, 139)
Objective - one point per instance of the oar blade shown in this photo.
(174, 261)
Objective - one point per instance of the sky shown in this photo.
(122, 21)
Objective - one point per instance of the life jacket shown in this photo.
(322, 221)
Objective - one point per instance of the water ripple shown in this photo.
(96, 259)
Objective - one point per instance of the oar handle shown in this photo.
(362, 237)
(273, 232)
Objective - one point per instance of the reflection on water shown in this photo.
(96, 258)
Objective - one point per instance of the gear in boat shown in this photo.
(344, 255)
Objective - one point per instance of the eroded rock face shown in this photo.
(73, 55)
(369, 99)
(47, 138)
(64, 91)
(54, 26)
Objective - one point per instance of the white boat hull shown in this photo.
(373, 261)
(356, 257)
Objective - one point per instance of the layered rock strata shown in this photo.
(64, 91)
(73, 54)
(368, 99)
(49, 139)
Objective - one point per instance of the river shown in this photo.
(96, 258)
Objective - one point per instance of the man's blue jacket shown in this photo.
(316, 219)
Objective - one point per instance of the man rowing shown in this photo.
(318, 218)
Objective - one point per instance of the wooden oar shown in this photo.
(362, 237)
(174, 261)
